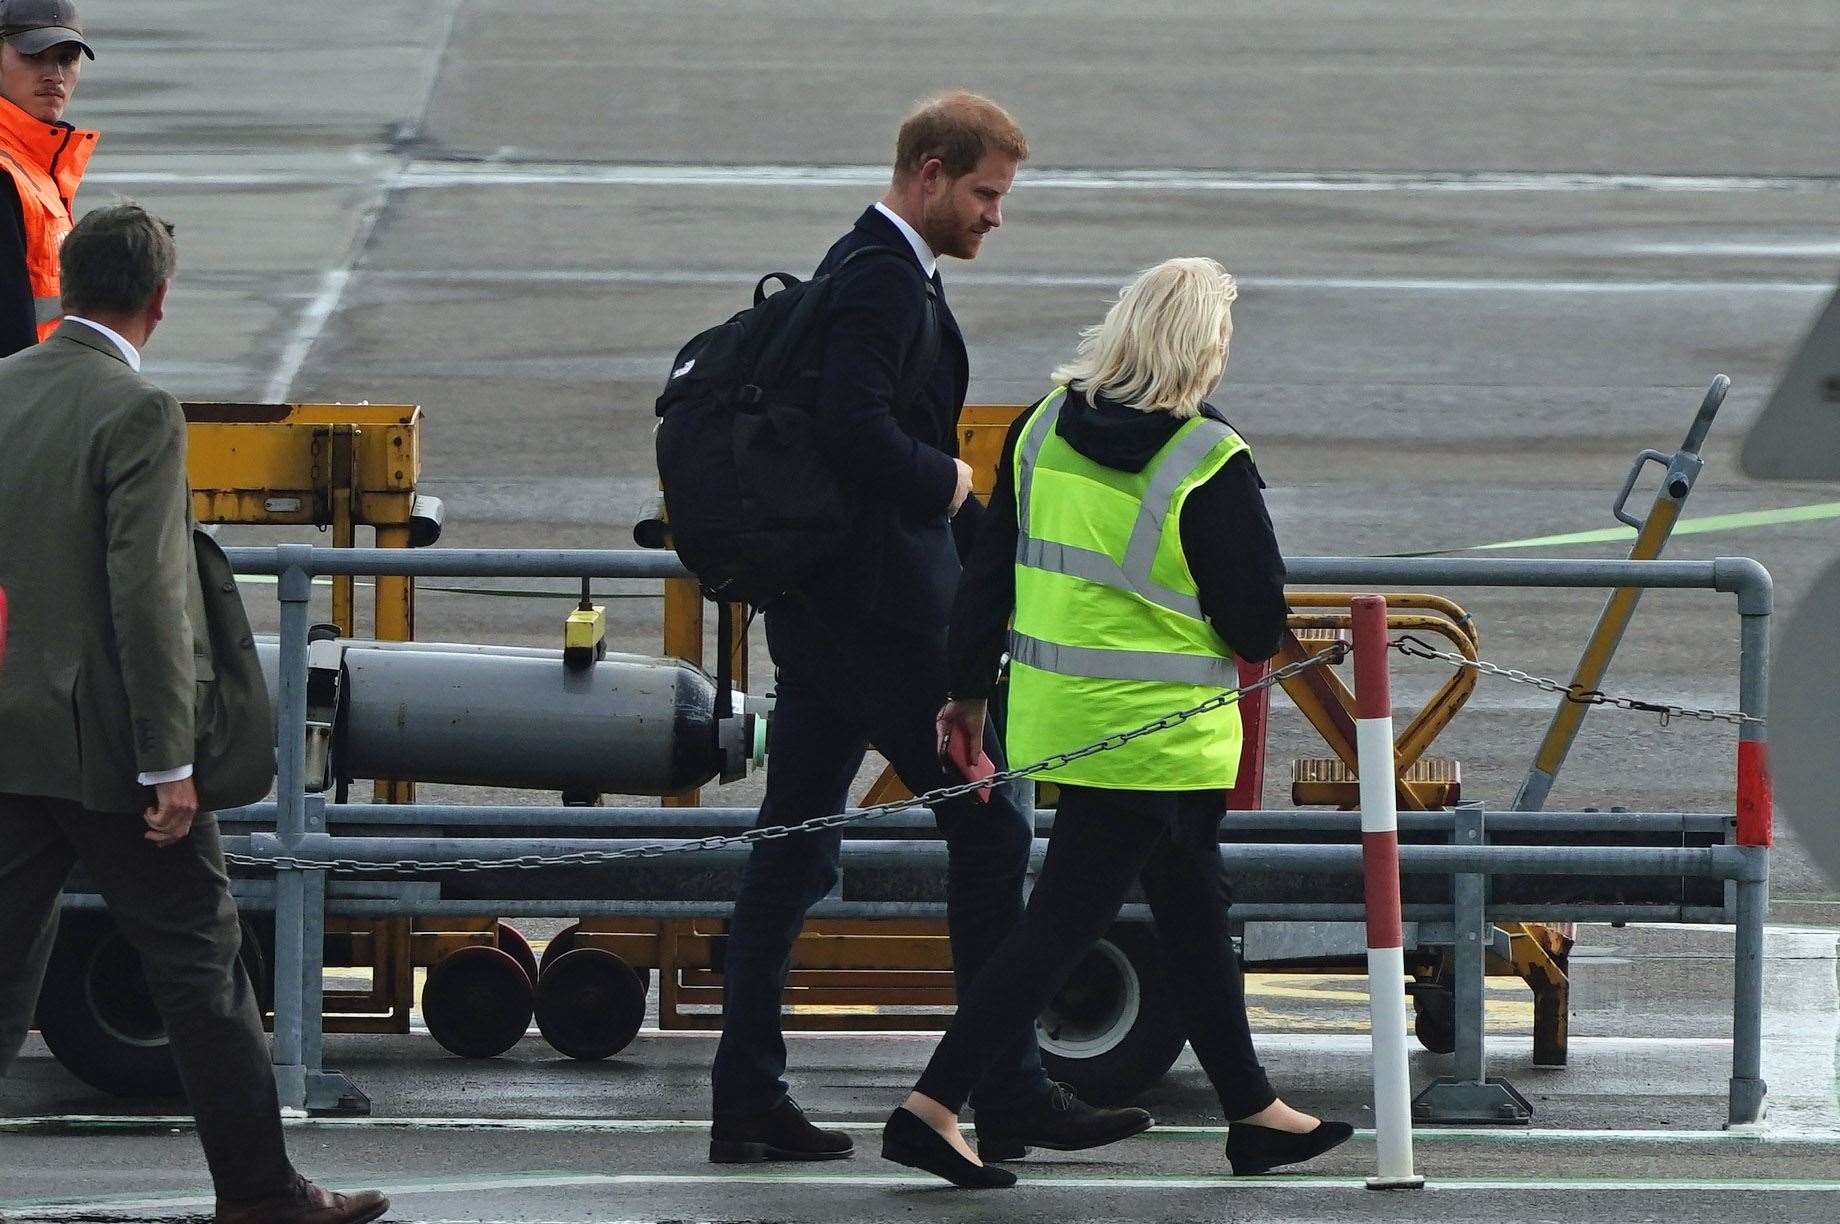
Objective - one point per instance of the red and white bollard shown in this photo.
(1386, 970)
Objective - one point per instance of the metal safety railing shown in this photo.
(301, 842)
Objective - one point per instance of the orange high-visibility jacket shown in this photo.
(46, 162)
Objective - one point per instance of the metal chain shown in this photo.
(1407, 644)
(588, 858)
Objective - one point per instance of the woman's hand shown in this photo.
(962, 720)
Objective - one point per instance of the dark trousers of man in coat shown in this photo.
(173, 905)
(842, 687)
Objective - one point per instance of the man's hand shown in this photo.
(169, 822)
(963, 490)
(963, 721)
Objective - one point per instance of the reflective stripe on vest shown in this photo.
(47, 310)
(1146, 532)
(1034, 433)
(1097, 664)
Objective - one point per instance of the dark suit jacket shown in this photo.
(900, 566)
(130, 652)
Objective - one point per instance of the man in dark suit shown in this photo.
(860, 653)
(131, 706)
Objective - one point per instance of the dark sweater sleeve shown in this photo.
(987, 591)
(1233, 553)
(18, 318)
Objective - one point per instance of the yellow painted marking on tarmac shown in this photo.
(1343, 1000)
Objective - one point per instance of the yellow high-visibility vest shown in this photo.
(1108, 632)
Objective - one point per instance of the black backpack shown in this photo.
(754, 509)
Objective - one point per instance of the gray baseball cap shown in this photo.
(34, 25)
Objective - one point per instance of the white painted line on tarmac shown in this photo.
(63, 1206)
(306, 333)
(1737, 250)
(442, 174)
(433, 173)
(1102, 280)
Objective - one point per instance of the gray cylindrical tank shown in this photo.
(516, 717)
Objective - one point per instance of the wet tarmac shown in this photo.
(1487, 254)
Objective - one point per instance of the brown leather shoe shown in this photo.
(307, 1204)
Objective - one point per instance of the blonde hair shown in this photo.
(1163, 345)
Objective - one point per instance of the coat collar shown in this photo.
(883, 232)
(89, 338)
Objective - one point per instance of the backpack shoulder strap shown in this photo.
(926, 356)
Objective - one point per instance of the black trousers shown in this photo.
(842, 688)
(174, 906)
(1102, 841)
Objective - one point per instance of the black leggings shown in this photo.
(1102, 841)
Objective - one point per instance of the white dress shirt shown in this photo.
(129, 353)
(922, 252)
(132, 356)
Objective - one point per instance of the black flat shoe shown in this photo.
(1252, 1150)
(908, 1141)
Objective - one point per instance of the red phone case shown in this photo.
(974, 769)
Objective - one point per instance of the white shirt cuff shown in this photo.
(165, 775)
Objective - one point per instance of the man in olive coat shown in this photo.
(131, 706)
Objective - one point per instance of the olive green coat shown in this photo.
(129, 651)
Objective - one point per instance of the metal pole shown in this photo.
(1652, 534)
(294, 590)
(1386, 971)
(1470, 1096)
(1755, 836)
(1468, 893)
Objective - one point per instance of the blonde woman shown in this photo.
(1126, 561)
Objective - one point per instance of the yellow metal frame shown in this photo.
(336, 467)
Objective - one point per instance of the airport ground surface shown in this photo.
(1487, 254)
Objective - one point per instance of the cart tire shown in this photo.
(477, 1001)
(98, 1017)
(512, 941)
(1434, 1018)
(560, 945)
(590, 1003)
(1113, 1030)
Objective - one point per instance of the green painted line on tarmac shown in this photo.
(1707, 524)
(485, 1183)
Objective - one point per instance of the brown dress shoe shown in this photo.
(306, 1204)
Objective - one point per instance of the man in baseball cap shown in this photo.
(32, 26)
(42, 159)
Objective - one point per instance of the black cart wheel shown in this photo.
(477, 1001)
(560, 945)
(1434, 1018)
(1113, 1030)
(98, 1016)
(590, 1003)
(512, 940)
